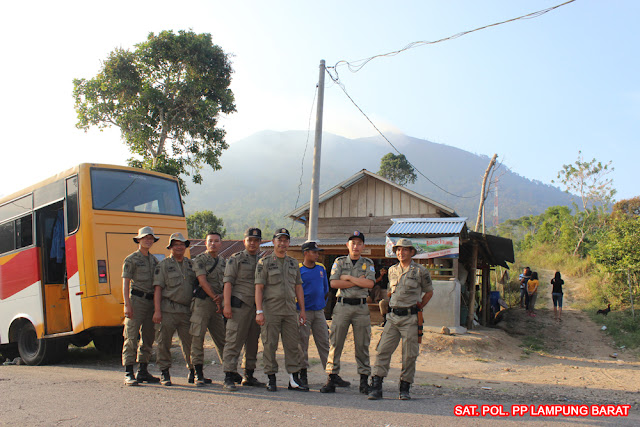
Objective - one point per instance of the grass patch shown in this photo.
(621, 326)
(532, 344)
(479, 359)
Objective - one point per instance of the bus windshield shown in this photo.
(127, 191)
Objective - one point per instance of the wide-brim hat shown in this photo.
(404, 243)
(179, 237)
(143, 232)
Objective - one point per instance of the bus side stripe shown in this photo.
(18, 273)
(71, 255)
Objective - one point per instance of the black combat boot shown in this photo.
(303, 378)
(330, 386)
(376, 388)
(165, 378)
(295, 383)
(250, 380)
(143, 375)
(237, 378)
(364, 384)
(339, 382)
(404, 390)
(191, 378)
(200, 380)
(129, 377)
(272, 386)
(229, 383)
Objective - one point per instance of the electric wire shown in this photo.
(357, 65)
(306, 146)
(341, 85)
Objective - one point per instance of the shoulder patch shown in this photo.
(372, 269)
(157, 271)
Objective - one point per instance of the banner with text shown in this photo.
(428, 247)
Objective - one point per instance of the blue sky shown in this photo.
(533, 91)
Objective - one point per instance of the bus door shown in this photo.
(50, 231)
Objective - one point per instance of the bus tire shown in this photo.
(110, 344)
(34, 351)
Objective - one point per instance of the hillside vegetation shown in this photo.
(264, 177)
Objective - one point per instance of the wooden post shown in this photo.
(486, 293)
(472, 286)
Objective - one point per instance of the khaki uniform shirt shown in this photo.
(363, 267)
(139, 269)
(176, 282)
(240, 271)
(203, 265)
(408, 285)
(279, 295)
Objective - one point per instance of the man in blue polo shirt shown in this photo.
(316, 287)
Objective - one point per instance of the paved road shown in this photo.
(92, 393)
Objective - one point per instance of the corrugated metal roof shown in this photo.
(429, 226)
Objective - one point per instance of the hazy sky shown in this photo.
(533, 91)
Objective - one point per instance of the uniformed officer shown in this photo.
(315, 284)
(408, 280)
(240, 311)
(353, 276)
(206, 310)
(278, 284)
(137, 291)
(173, 281)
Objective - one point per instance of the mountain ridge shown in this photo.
(259, 181)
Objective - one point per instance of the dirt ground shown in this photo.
(524, 359)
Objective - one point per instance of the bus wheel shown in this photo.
(34, 351)
(109, 344)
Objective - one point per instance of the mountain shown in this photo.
(260, 178)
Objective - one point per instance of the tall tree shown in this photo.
(397, 169)
(589, 181)
(202, 222)
(166, 97)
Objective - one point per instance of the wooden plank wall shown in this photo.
(368, 206)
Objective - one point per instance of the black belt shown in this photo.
(141, 294)
(352, 301)
(404, 311)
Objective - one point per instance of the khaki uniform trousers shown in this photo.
(203, 318)
(172, 322)
(242, 330)
(140, 324)
(343, 316)
(285, 325)
(316, 324)
(405, 327)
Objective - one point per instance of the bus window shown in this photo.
(72, 205)
(16, 207)
(24, 231)
(134, 192)
(7, 236)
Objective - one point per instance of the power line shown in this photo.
(357, 65)
(341, 85)
(313, 103)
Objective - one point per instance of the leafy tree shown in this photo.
(165, 96)
(202, 222)
(588, 180)
(397, 169)
(627, 207)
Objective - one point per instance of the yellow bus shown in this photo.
(62, 244)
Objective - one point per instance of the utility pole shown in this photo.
(317, 146)
(483, 192)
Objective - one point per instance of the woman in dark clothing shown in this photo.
(556, 294)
